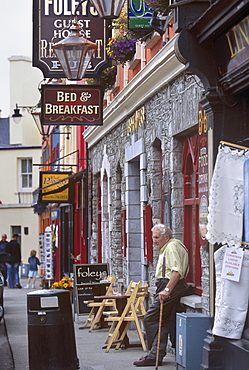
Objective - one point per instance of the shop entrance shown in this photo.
(66, 240)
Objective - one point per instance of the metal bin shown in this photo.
(51, 337)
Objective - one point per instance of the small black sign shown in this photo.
(87, 273)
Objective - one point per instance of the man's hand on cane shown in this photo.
(163, 295)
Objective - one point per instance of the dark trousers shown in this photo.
(3, 270)
(151, 319)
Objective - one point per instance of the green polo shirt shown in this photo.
(176, 255)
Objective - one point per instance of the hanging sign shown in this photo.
(54, 187)
(232, 263)
(72, 105)
(203, 176)
(51, 22)
(139, 15)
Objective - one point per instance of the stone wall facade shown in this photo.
(133, 170)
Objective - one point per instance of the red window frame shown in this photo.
(148, 245)
(123, 241)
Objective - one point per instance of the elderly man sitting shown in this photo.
(172, 268)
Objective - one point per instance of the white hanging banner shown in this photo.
(232, 263)
(226, 200)
(231, 298)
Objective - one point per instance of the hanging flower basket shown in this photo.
(121, 48)
(39, 208)
(107, 78)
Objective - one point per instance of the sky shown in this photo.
(16, 39)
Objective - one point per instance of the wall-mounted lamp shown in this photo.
(35, 111)
(17, 116)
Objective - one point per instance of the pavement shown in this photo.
(14, 340)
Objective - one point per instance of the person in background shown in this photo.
(172, 268)
(14, 249)
(3, 268)
(33, 269)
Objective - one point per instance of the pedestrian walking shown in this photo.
(34, 262)
(172, 267)
(3, 267)
(14, 249)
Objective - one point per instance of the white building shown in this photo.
(20, 149)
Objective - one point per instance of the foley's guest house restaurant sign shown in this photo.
(72, 105)
(51, 22)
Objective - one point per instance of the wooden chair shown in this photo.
(94, 305)
(141, 295)
(133, 311)
(90, 316)
(98, 307)
(110, 314)
(138, 317)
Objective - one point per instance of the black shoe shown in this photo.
(147, 361)
(18, 286)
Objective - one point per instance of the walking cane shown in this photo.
(159, 334)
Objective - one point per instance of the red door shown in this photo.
(191, 209)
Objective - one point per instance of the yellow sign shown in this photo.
(54, 186)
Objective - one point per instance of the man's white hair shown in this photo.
(164, 230)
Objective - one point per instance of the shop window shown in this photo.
(123, 233)
(45, 154)
(157, 191)
(191, 210)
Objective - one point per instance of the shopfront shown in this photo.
(138, 170)
(215, 47)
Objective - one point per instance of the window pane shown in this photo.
(24, 181)
(24, 165)
(30, 181)
(29, 166)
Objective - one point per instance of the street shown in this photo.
(89, 345)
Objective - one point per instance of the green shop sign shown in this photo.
(139, 14)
